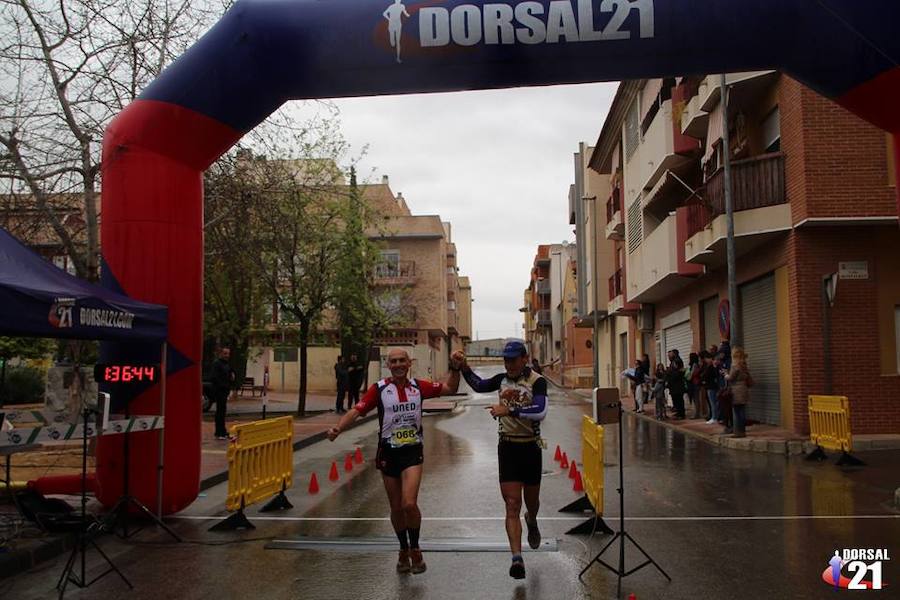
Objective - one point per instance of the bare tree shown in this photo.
(66, 69)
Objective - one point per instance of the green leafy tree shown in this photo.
(357, 310)
(23, 348)
(234, 298)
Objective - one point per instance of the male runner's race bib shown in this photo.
(405, 437)
(402, 416)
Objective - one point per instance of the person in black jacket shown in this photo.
(709, 380)
(342, 380)
(355, 375)
(675, 382)
(222, 378)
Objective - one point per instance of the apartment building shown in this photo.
(20, 216)
(552, 333)
(814, 194)
(420, 282)
(537, 308)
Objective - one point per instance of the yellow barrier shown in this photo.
(829, 422)
(260, 461)
(592, 462)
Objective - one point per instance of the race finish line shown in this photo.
(574, 518)
(374, 544)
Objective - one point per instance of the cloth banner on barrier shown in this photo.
(23, 436)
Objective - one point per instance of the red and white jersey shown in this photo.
(399, 409)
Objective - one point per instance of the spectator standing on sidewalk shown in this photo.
(725, 351)
(693, 383)
(222, 377)
(354, 379)
(740, 381)
(724, 397)
(637, 385)
(342, 381)
(709, 380)
(659, 391)
(675, 383)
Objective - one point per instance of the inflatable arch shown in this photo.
(265, 52)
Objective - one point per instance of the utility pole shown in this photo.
(733, 301)
(592, 234)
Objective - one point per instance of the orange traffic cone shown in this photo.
(313, 484)
(564, 464)
(348, 463)
(558, 456)
(358, 458)
(333, 474)
(572, 470)
(579, 486)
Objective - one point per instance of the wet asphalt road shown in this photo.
(723, 523)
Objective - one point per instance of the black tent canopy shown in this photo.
(38, 299)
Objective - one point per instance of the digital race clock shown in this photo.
(125, 373)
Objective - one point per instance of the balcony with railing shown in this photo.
(543, 287)
(617, 304)
(402, 272)
(656, 268)
(615, 225)
(661, 148)
(739, 84)
(695, 120)
(544, 318)
(760, 205)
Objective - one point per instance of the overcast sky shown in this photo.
(496, 164)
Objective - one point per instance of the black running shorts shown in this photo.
(393, 461)
(520, 461)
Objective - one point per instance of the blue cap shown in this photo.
(514, 350)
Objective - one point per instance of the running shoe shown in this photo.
(517, 569)
(403, 565)
(534, 534)
(418, 563)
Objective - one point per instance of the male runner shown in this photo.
(399, 457)
(523, 404)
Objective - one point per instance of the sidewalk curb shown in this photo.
(789, 447)
(783, 447)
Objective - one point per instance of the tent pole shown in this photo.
(162, 437)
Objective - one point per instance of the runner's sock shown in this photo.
(413, 537)
(517, 558)
(401, 535)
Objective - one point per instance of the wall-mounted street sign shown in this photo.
(858, 269)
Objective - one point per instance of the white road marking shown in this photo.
(573, 518)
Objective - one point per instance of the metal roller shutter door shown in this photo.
(679, 337)
(759, 326)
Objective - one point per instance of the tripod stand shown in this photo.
(622, 534)
(119, 511)
(86, 535)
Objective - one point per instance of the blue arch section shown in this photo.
(265, 52)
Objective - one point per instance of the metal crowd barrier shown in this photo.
(829, 427)
(260, 465)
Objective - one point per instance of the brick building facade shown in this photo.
(814, 187)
